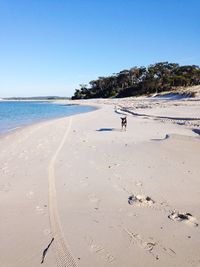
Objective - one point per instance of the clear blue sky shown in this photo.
(49, 47)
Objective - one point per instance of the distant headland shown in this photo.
(35, 98)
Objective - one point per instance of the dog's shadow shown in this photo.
(107, 129)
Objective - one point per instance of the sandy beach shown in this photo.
(78, 191)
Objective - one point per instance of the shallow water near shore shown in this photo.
(16, 114)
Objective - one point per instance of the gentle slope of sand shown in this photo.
(107, 197)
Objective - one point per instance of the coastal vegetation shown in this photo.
(155, 78)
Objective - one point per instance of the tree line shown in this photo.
(155, 78)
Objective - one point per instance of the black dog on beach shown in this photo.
(124, 123)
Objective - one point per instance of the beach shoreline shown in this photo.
(103, 196)
(42, 120)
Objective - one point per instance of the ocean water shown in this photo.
(16, 114)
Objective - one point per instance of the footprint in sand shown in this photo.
(84, 182)
(94, 147)
(140, 200)
(5, 187)
(30, 194)
(46, 232)
(183, 217)
(39, 210)
(138, 183)
(99, 250)
(155, 248)
(5, 170)
(93, 198)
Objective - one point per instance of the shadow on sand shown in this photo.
(197, 131)
(45, 250)
(107, 129)
(160, 139)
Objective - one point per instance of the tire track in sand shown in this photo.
(63, 255)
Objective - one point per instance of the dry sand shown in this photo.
(107, 197)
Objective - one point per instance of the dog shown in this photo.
(124, 123)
